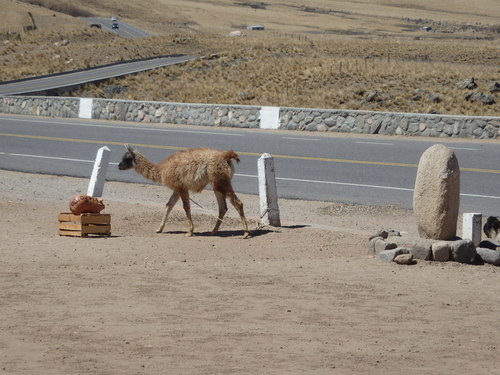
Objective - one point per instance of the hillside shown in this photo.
(371, 55)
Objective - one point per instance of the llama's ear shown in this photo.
(129, 149)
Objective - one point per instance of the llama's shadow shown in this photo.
(296, 226)
(264, 231)
(237, 232)
(226, 233)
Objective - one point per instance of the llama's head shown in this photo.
(128, 160)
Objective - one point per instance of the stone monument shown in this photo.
(436, 198)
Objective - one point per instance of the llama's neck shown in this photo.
(146, 168)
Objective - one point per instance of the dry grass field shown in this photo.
(370, 55)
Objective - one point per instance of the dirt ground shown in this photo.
(301, 299)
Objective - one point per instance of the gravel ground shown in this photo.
(303, 298)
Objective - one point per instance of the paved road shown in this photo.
(125, 30)
(94, 74)
(366, 170)
(37, 84)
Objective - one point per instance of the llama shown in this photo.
(191, 170)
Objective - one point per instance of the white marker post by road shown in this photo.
(471, 227)
(269, 210)
(96, 184)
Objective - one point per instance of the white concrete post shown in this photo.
(85, 110)
(269, 210)
(270, 118)
(96, 184)
(471, 227)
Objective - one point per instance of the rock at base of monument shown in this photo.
(404, 259)
(463, 251)
(489, 256)
(422, 249)
(390, 255)
(441, 251)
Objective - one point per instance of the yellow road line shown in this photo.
(76, 140)
(292, 157)
(333, 160)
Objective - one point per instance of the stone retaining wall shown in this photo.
(321, 120)
(177, 113)
(40, 106)
(413, 124)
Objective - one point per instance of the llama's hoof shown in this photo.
(159, 230)
(189, 234)
(246, 235)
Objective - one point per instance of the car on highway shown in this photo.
(115, 25)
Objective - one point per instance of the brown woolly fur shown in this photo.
(191, 170)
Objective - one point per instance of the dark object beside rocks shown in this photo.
(492, 228)
(490, 244)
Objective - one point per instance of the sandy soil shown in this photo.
(301, 299)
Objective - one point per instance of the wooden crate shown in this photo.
(84, 225)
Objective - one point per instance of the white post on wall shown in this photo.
(269, 210)
(270, 117)
(96, 184)
(471, 227)
(85, 110)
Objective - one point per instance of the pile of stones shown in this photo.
(389, 251)
(436, 202)
(459, 250)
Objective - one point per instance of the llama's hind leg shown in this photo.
(187, 208)
(170, 204)
(221, 202)
(239, 207)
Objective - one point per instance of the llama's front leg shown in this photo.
(187, 209)
(239, 207)
(170, 204)
(221, 202)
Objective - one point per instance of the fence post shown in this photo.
(96, 184)
(268, 194)
(471, 227)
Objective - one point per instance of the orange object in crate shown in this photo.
(82, 203)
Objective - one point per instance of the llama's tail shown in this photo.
(230, 154)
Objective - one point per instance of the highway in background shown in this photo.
(125, 30)
(37, 84)
(369, 170)
(68, 79)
